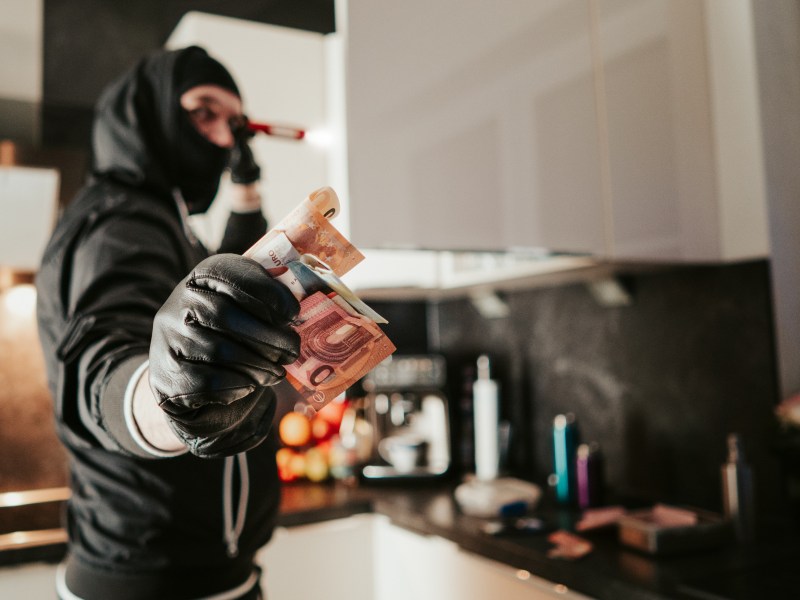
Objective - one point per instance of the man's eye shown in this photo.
(200, 115)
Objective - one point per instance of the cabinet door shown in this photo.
(408, 565)
(36, 580)
(472, 125)
(679, 98)
(659, 122)
(331, 560)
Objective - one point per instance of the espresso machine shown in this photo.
(406, 405)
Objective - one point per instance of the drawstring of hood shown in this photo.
(233, 527)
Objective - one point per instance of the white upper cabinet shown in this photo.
(679, 125)
(472, 125)
(622, 128)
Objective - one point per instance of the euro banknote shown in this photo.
(340, 340)
(337, 348)
(309, 231)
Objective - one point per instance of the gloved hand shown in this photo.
(219, 342)
(242, 163)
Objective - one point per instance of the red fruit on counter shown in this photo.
(333, 412)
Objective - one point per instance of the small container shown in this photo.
(666, 530)
(589, 475)
(737, 491)
(565, 437)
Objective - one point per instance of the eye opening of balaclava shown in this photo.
(143, 137)
(197, 163)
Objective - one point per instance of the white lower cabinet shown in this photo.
(367, 558)
(330, 560)
(363, 557)
(32, 581)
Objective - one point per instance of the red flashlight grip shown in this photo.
(284, 131)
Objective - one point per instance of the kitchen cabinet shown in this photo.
(677, 98)
(366, 557)
(624, 129)
(332, 560)
(34, 580)
(628, 129)
(472, 125)
(422, 567)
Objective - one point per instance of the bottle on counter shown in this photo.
(565, 441)
(737, 490)
(487, 495)
(589, 476)
(485, 399)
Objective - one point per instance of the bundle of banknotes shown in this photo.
(340, 340)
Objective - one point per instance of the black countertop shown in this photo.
(766, 568)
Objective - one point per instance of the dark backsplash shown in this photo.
(658, 384)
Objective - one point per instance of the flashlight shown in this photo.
(284, 131)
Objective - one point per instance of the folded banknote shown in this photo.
(340, 340)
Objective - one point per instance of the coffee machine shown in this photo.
(406, 405)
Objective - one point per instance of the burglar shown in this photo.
(162, 360)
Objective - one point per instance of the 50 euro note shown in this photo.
(340, 340)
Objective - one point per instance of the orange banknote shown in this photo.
(340, 341)
(309, 231)
(337, 348)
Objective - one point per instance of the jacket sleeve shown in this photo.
(242, 231)
(122, 270)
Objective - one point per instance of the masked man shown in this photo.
(162, 360)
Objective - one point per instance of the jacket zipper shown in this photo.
(233, 527)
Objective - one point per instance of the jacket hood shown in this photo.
(143, 138)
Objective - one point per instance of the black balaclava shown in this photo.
(142, 136)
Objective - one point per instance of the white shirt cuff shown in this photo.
(130, 421)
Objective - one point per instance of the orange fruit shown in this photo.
(283, 456)
(316, 465)
(321, 429)
(297, 466)
(294, 429)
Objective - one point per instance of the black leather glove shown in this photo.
(242, 163)
(219, 342)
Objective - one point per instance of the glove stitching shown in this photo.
(190, 319)
(206, 360)
(192, 284)
(181, 357)
(250, 387)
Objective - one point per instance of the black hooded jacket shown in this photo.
(148, 527)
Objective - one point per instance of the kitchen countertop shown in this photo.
(765, 569)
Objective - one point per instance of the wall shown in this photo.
(659, 383)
